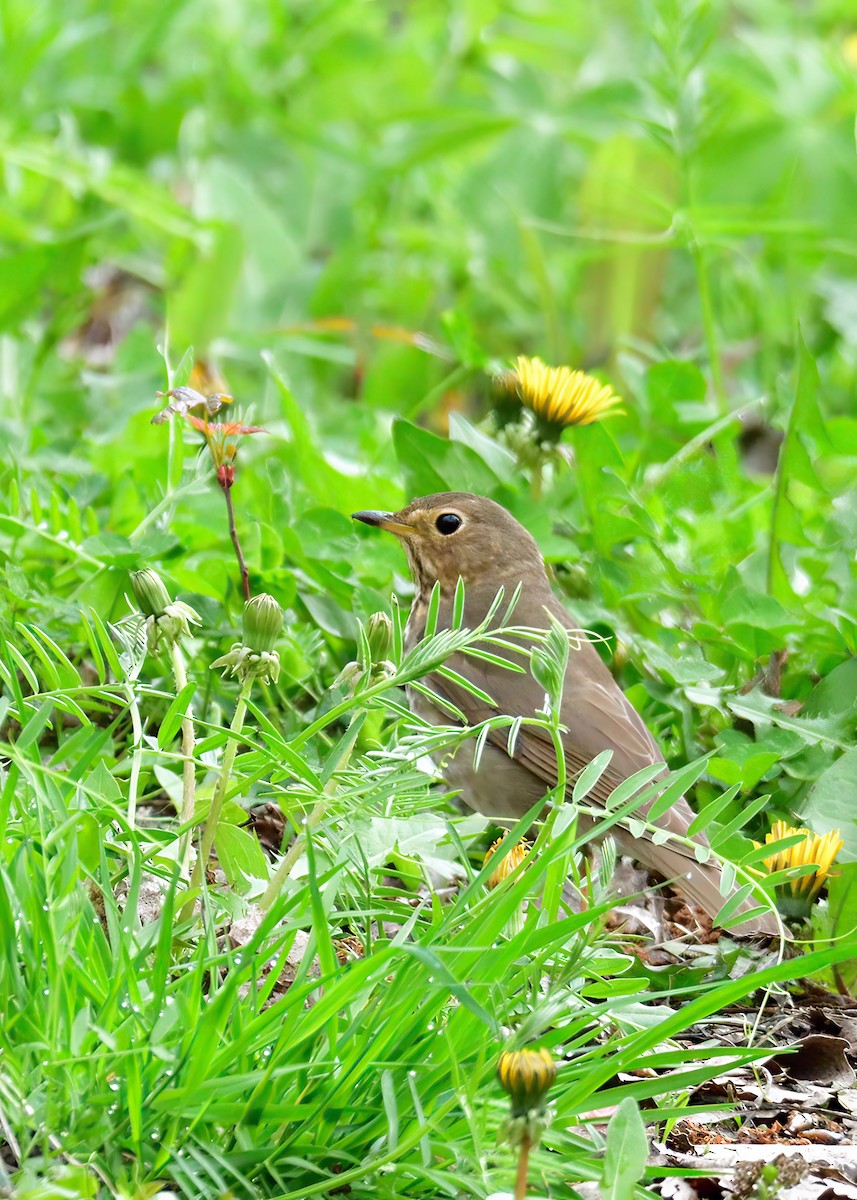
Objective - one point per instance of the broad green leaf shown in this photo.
(625, 1154)
(240, 854)
(433, 464)
(805, 437)
(832, 803)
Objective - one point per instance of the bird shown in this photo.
(449, 536)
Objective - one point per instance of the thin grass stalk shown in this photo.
(319, 811)
(136, 754)
(188, 764)
(209, 830)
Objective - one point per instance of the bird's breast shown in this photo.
(416, 622)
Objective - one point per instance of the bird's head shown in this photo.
(452, 534)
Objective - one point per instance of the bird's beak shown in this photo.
(382, 520)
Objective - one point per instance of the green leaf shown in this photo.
(175, 714)
(239, 854)
(743, 606)
(763, 710)
(835, 695)
(678, 784)
(33, 727)
(727, 911)
(805, 436)
(832, 803)
(102, 785)
(842, 904)
(671, 382)
(26, 277)
(198, 304)
(433, 464)
(590, 775)
(625, 1154)
(500, 460)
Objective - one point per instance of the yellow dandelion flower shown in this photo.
(561, 397)
(526, 1075)
(513, 859)
(815, 849)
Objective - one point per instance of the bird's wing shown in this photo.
(534, 750)
(595, 712)
(519, 695)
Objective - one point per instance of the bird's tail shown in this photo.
(699, 882)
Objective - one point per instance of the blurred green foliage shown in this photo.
(358, 212)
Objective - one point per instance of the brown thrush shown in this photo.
(455, 535)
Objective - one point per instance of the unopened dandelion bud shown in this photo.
(166, 621)
(150, 592)
(382, 670)
(263, 623)
(526, 1075)
(255, 656)
(379, 634)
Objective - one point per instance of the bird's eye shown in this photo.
(447, 523)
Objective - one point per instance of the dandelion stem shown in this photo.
(523, 1169)
(188, 743)
(209, 830)
(233, 533)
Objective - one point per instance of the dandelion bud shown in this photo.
(526, 1075)
(348, 678)
(150, 592)
(379, 634)
(166, 621)
(513, 859)
(263, 623)
(255, 657)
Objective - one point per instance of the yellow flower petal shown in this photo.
(526, 1075)
(513, 859)
(817, 850)
(560, 396)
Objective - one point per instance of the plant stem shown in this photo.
(209, 830)
(724, 442)
(133, 781)
(233, 533)
(284, 869)
(523, 1169)
(188, 743)
(175, 456)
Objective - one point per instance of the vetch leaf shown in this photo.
(590, 775)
